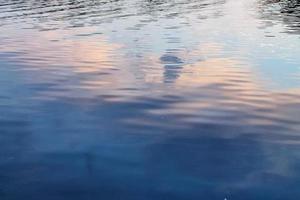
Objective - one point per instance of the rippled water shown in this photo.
(149, 99)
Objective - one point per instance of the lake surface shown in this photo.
(149, 100)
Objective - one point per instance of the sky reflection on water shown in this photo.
(149, 99)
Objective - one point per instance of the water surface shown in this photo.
(149, 99)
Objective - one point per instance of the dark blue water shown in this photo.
(149, 100)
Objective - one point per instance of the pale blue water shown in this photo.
(143, 99)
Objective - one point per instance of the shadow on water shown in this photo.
(288, 12)
(149, 100)
(173, 65)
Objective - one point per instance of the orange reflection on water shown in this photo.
(65, 48)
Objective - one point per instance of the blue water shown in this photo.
(149, 100)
